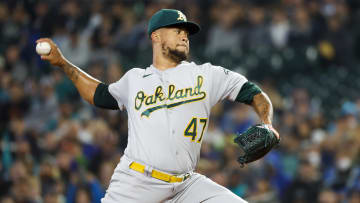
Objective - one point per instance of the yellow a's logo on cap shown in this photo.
(181, 17)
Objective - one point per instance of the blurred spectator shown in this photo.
(225, 36)
(264, 193)
(75, 47)
(335, 46)
(279, 28)
(7, 199)
(301, 33)
(257, 34)
(82, 195)
(354, 196)
(328, 196)
(14, 64)
(239, 119)
(306, 185)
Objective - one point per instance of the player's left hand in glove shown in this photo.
(256, 141)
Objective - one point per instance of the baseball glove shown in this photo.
(256, 141)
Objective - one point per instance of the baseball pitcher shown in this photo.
(168, 106)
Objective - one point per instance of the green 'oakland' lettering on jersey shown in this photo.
(158, 96)
(140, 96)
(149, 100)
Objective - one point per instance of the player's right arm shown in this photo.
(90, 89)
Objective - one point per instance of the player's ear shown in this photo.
(155, 36)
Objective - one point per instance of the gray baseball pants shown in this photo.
(129, 186)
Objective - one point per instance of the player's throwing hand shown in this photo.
(55, 57)
(85, 84)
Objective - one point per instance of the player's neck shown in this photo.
(162, 63)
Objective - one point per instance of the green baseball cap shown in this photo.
(171, 17)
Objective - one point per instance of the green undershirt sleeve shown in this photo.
(103, 98)
(247, 93)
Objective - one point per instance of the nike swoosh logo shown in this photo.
(144, 76)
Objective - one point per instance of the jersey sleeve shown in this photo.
(225, 84)
(120, 90)
(103, 98)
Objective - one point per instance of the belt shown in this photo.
(159, 175)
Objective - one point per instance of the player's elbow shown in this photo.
(261, 98)
(88, 96)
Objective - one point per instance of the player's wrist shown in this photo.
(267, 124)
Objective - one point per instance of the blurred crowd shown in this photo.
(305, 54)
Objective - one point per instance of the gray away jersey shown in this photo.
(168, 111)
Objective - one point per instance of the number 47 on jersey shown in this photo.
(191, 129)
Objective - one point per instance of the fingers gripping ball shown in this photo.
(257, 141)
(43, 48)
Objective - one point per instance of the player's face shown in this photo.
(175, 43)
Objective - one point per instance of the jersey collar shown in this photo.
(153, 69)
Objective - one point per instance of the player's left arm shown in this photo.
(236, 87)
(252, 95)
(263, 107)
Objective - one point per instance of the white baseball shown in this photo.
(43, 48)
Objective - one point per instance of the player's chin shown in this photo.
(178, 54)
(183, 53)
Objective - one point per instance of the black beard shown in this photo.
(174, 54)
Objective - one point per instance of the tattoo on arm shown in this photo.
(85, 84)
(263, 107)
(72, 72)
